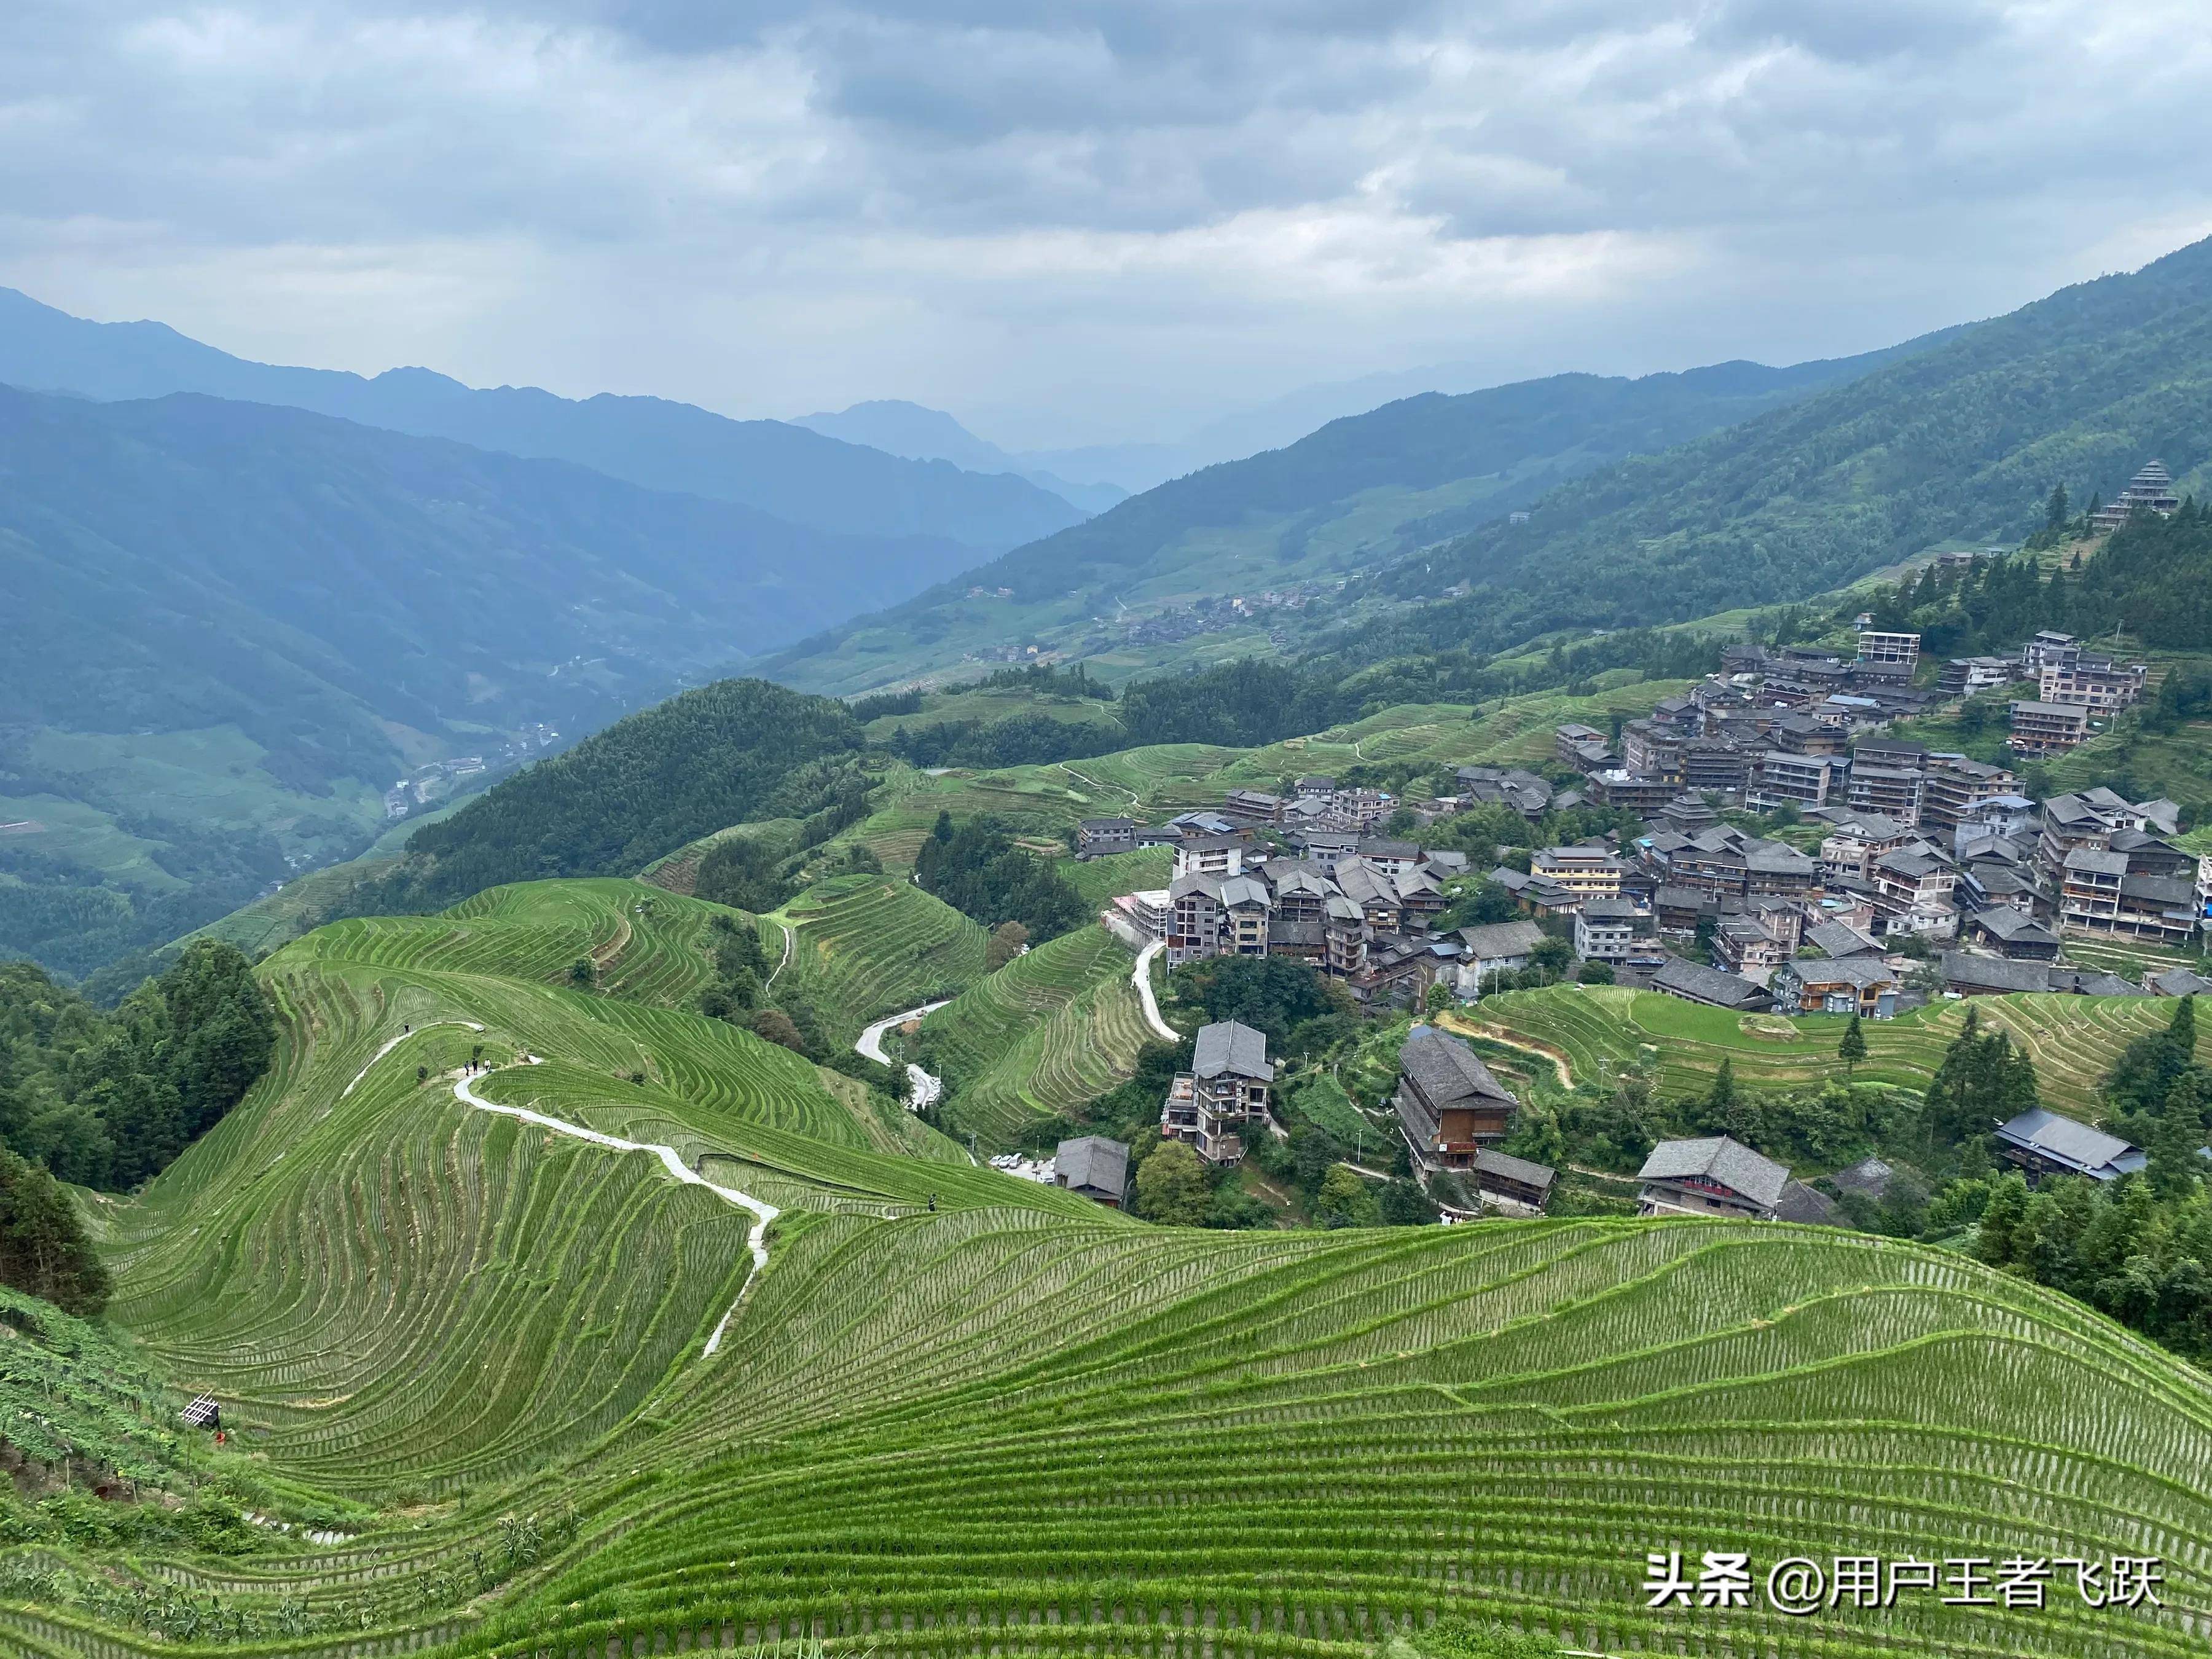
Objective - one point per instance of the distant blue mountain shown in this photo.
(925, 433)
(802, 475)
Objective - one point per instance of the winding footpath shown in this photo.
(764, 1212)
(395, 1043)
(927, 1088)
(1142, 979)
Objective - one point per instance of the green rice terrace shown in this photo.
(1051, 1031)
(1595, 1030)
(1157, 780)
(864, 945)
(522, 1380)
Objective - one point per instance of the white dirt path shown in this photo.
(927, 1087)
(764, 1213)
(395, 1042)
(1142, 979)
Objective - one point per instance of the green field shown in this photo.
(1597, 1030)
(960, 1414)
(1154, 782)
(1101, 881)
(1046, 1033)
(869, 945)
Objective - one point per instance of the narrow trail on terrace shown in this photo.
(1085, 777)
(395, 1042)
(1466, 1027)
(790, 938)
(1142, 979)
(756, 1241)
(928, 1086)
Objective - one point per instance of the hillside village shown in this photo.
(1789, 856)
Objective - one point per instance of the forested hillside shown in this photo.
(232, 625)
(723, 754)
(1354, 493)
(109, 1099)
(1963, 440)
(801, 477)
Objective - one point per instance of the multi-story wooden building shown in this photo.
(1223, 1095)
(1449, 1104)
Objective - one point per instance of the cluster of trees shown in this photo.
(732, 752)
(1990, 606)
(2149, 580)
(1177, 1188)
(1241, 704)
(44, 1249)
(2139, 1249)
(1301, 1011)
(1031, 738)
(741, 993)
(107, 1099)
(1489, 832)
(978, 870)
(1044, 679)
(2152, 579)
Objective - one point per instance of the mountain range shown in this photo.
(245, 615)
(772, 466)
(897, 427)
(1342, 500)
(1960, 442)
(234, 623)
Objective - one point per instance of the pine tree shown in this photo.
(2054, 514)
(1852, 1049)
(2001, 1220)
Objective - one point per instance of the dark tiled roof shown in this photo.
(1093, 1162)
(1228, 1046)
(1841, 939)
(2076, 1145)
(1499, 939)
(1509, 1168)
(1447, 1070)
(1701, 984)
(1806, 1205)
(1995, 973)
(1721, 1158)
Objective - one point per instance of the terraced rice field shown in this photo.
(960, 1415)
(1046, 1033)
(1597, 1029)
(1101, 881)
(870, 946)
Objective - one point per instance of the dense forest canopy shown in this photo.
(107, 1099)
(720, 755)
(976, 868)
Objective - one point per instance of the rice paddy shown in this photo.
(960, 1414)
(870, 946)
(1595, 1030)
(1050, 1031)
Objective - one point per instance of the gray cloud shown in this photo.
(1084, 221)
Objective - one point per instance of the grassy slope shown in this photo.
(954, 1396)
(869, 945)
(1162, 779)
(1050, 1031)
(1597, 1029)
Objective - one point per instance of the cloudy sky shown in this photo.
(1083, 222)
